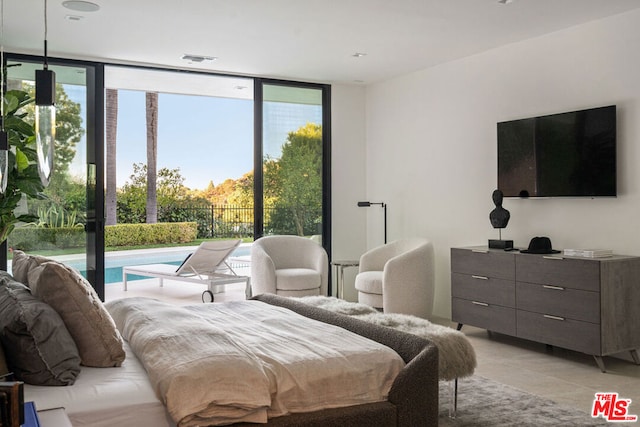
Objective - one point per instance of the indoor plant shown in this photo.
(22, 171)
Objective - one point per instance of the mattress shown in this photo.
(106, 397)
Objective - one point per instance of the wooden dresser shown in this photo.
(591, 305)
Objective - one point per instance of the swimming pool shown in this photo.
(114, 261)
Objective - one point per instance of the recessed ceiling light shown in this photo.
(81, 6)
(359, 55)
(198, 58)
(504, 1)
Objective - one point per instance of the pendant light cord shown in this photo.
(4, 69)
(46, 65)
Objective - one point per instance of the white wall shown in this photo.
(348, 178)
(431, 145)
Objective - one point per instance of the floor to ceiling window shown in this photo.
(294, 153)
(239, 156)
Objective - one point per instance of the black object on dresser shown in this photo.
(590, 305)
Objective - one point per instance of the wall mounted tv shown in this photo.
(570, 154)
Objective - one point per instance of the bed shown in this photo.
(132, 393)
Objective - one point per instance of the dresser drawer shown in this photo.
(567, 333)
(557, 301)
(483, 288)
(487, 316)
(558, 271)
(498, 264)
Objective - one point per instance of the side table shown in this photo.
(340, 265)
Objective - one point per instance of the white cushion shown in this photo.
(369, 282)
(290, 279)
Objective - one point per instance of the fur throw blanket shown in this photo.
(457, 358)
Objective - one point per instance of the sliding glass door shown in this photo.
(65, 221)
(293, 157)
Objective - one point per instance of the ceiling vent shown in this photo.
(198, 58)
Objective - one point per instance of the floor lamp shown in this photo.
(384, 206)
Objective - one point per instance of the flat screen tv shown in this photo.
(569, 154)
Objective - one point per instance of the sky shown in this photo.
(209, 139)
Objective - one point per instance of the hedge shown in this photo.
(42, 238)
(147, 234)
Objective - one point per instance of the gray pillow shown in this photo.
(38, 348)
(23, 263)
(99, 343)
(64, 289)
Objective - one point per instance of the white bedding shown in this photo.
(106, 397)
(248, 360)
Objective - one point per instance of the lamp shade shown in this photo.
(45, 87)
(45, 140)
(45, 122)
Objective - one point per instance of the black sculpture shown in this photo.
(499, 218)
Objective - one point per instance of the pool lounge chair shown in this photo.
(207, 265)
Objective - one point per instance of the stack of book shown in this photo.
(589, 253)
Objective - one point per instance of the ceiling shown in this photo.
(306, 40)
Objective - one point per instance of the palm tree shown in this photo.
(112, 130)
(152, 156)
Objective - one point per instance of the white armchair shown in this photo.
(398, 277)
(289, 265)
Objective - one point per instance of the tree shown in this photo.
(132, 196)
(152, 156)
(111, 131)
(298, 180)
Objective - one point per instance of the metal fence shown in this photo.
(213, 220)
(235, 221)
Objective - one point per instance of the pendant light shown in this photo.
(45, 114)
(4, 139)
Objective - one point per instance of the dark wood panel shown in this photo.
(565, 302)
(498, 264)
(568, 333)
(491, 317)
(482, 288)
(558, 271)
(620, 305)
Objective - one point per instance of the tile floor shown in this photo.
(564, 376)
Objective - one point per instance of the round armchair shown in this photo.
(291, 266)
(398, 277)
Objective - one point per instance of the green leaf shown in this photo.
(22, 162)
(16, 124)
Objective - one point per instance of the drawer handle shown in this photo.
(548, 316)
(480, 277)
(552, 257)
(483, 304)
(555, 288)
(480, 251)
